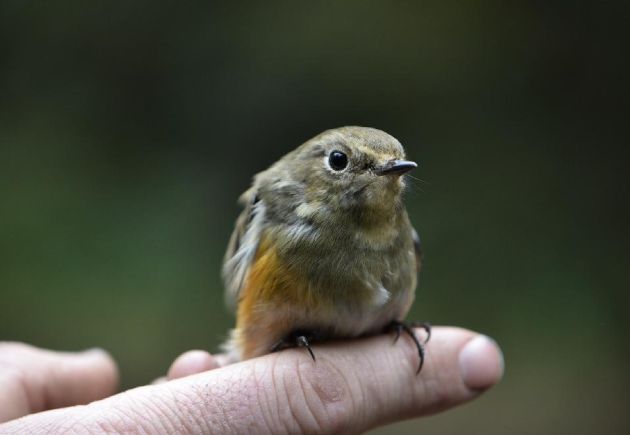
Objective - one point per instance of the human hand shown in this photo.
(352, 387)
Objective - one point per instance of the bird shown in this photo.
(324, 248)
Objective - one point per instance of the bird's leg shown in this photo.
(399, 327)
(297, 338)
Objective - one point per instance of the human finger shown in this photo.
(33, 379)
(190, 363)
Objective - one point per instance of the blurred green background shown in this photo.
(128, 129)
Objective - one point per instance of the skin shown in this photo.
(324, 252)
(354, 386)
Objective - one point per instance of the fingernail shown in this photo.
(481, 363)
(95, 354)
(93, 351)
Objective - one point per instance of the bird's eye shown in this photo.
(338, 160)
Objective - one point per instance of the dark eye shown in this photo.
(338, 160)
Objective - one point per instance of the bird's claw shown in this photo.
(399, 327)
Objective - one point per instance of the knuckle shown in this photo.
(317, 396)
(15, 382)
(12, 375)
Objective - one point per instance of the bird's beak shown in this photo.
(395, 167)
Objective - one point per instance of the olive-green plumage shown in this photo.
(324, 243)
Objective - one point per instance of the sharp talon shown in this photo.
(427, 328)
(294, 339)
(303, 342)
(410, 333)
(400, 326)
(397, 327)
(421, 352)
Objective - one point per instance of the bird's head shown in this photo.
(355, 170)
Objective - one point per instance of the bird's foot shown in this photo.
(399, 327)
(297, 338)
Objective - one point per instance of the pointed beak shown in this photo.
(395, 167)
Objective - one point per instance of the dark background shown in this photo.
(127, 131)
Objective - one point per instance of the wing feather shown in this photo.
(242, 246)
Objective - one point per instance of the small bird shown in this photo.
(324, 247)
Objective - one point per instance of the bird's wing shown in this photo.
(243, 245)
(417, 244)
